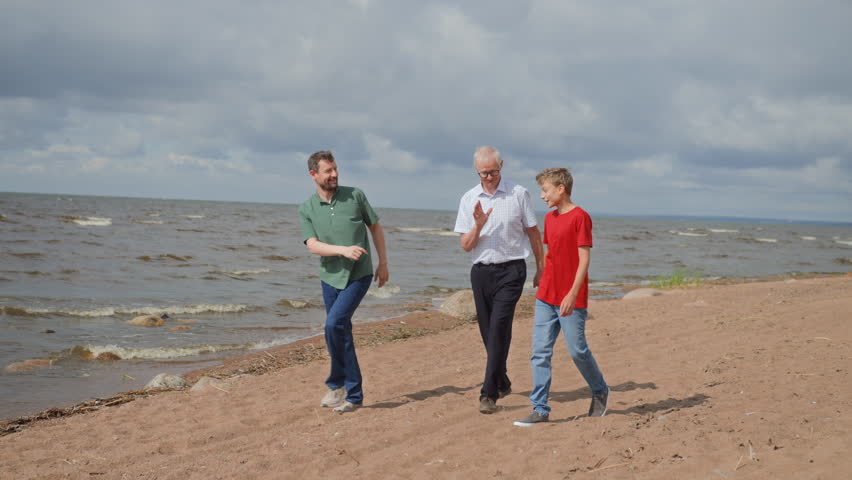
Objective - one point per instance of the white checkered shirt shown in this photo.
(504, 236)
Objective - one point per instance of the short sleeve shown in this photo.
(527, 209)
(368, 214)
(308, 230)
(584, 230)
(464, 218)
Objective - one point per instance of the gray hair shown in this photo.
(484, 153)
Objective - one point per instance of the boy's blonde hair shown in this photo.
(557, 176)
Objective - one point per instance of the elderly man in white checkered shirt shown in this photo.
(498, 225)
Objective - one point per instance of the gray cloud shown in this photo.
(704, 108)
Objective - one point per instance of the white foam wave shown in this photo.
(161, 353)
(192, 216)
(109, 311)
(808, 238)
(92, 221)
(386, 291)
(243, 272)
(722, 230)
(844, 242)
(691, 234)
(766, 240)
(150, 222)
(428, 231)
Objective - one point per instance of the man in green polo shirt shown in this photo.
(335, 221)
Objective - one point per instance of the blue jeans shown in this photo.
(546, 329)
(340, 305)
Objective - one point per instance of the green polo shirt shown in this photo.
(343, 221)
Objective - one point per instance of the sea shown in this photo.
(75, 269)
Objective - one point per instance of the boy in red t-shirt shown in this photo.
(563, 296)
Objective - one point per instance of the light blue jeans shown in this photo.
(546, 329)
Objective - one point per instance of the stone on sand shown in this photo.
(207, 383)
(641, 293)
(460, 305)
(167, 380)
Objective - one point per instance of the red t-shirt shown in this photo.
(563, 234)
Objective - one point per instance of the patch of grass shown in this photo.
(681, 277)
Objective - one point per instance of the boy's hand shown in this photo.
(480, 216)
(567, 306)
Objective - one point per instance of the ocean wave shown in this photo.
(723, 230)
(110, 311)
(766, 240)
(152, 353)
(88, 221)
(293, 303)
(165, 256)
(688, 234)
(808, 238)
(27, 254)
(5, 219)
(242, 272)
(429, 231)
(435, 290)
(386, 291)
(192, 216)
(149, 222)
(278, 258)
(844, 242)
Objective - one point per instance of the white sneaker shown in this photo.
(333, 398)
(346, 407)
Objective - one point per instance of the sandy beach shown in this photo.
(719, 382)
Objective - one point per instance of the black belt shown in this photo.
(500, 265)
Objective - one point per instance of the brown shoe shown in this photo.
(486, 405)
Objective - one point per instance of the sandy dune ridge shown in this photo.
(719, 382)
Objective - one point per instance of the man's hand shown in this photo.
(537, 278)
(479, 216)
(381, 275)
(353, 252)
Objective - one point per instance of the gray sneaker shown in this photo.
(486, 405)
(532, 419)
(598, 406)
(333, 398)
(346, 407)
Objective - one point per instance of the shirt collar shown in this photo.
(501, 187)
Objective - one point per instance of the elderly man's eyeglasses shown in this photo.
(486, 173)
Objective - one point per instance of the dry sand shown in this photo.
(718, 382)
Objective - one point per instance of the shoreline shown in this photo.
(413, 324)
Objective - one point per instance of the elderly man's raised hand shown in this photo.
(480, 216)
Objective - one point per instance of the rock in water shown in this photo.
(167, 380)
(149, 321)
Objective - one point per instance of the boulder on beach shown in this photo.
(149, 320)
(207, 383)
(641, 293)
(460, 305)
(167, 380)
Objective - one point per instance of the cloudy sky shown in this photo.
(675, 107)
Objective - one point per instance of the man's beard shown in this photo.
(329, 186)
